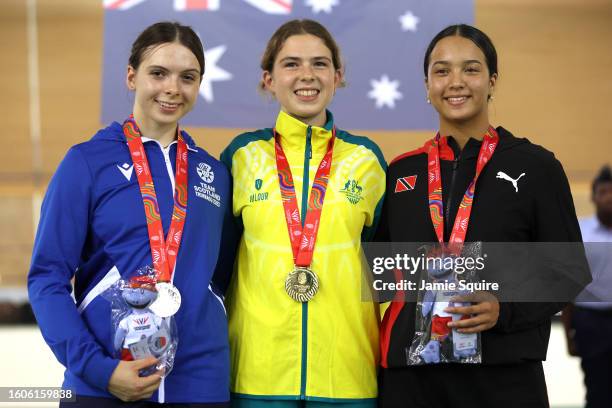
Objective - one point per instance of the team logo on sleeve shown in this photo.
(405, 183)
(352, 190)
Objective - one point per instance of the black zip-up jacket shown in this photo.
(541, 210)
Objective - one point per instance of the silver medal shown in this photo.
(168, 300)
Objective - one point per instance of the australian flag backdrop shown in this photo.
(382, 43)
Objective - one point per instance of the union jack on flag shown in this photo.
(382, 44)
(179, 5)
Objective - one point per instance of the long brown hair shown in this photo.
(298, 27)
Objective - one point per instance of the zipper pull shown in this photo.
(309, 142)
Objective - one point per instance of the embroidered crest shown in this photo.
(352, 190)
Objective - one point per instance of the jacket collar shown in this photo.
(470, 150)
(449, 149)
(114, 132)
(293, 133)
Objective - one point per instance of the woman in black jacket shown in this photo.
(473, 183)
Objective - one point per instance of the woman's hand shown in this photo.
(483, 312)
(126, 385)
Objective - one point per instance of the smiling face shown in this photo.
(459, 83)
(166, 85)
(304, 78)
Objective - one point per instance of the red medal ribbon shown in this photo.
(163, 251)
(303, 237)
(436, 206)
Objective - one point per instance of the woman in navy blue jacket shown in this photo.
(94, 228)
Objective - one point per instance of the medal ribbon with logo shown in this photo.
(302, 284)
(436, 207)
(163, 250)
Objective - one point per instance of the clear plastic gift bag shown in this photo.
(137, 331)
(443, 277)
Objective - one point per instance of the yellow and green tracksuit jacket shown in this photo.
(326, 349)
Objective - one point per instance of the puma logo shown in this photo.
(504, 176)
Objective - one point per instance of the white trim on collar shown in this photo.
(148, 139)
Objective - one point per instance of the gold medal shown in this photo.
(301, 284)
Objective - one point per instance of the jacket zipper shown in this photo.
(449, 199)
(305, 190)
(166, 153)
(161, 391)
(161, 394)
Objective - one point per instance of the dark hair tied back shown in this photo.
(473, 34)
(167, 32)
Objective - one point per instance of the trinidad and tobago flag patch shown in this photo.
(405, 183)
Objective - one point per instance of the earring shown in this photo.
(428, 100)
(490, 97)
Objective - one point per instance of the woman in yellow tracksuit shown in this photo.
(300, 333)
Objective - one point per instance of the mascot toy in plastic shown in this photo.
(140, 333)
(434, 302)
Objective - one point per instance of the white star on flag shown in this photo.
(212, 72)
(385, 92)
(409, 21)
(322, 5)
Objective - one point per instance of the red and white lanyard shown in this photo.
(163, 251)
(436, 206)
(303, 237)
